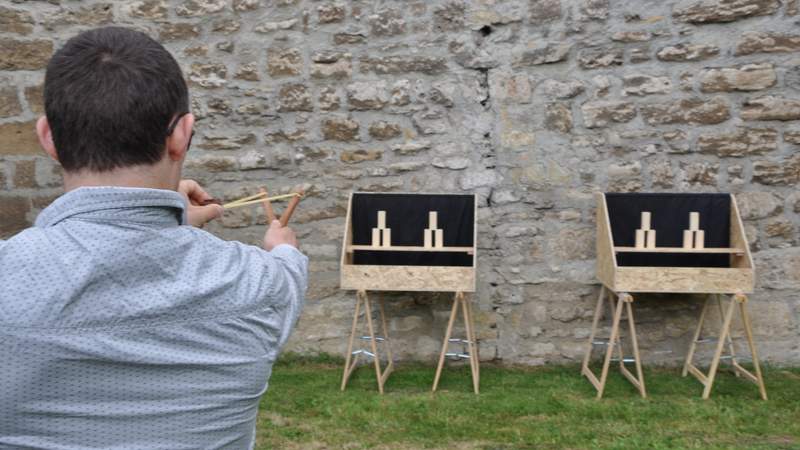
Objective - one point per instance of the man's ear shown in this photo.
(178, 141)
(46, 137)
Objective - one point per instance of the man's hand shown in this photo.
(277, 235)
(195, 195)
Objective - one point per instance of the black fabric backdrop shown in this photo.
(669, 217)
(407, 216)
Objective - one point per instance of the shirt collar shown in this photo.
(106, 203)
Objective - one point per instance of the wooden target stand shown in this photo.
(415, 278)
(620, 281)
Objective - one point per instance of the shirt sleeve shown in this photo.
(289, 284)
(269, 284)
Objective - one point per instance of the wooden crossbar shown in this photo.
(592, 378)
(627, 373)
(735, 251)
(746, 373)
(409, 248)
(697, 373)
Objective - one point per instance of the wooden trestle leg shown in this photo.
(352, 357)
(471, 344)
(725, 338)
(624, 301)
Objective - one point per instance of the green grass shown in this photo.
(542, 408)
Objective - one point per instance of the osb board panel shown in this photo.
(408, 278)
(683, 280)
(739, 239)
(606, 260)
(347, 258)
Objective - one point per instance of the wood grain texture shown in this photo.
(347, 240)
(606, 258)
(739, 240)
(699, 251)
(410, 248)
(407, 278)
(689, 280)
(287, 213)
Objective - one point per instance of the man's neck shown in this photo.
(152, 177)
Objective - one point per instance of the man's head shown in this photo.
(116, 101)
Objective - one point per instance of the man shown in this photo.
(121, 325)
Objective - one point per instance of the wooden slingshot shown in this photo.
(263, 198)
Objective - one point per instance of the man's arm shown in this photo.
(291, 284)
(292, 281)
(276, 277)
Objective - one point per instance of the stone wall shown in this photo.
(532, 104)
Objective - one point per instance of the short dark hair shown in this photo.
(110, 95)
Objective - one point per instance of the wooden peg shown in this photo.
(433, 218)
(694, 221)
(387, 237)
(699, 239)
(381, 219)
(439, 239)
(640, 239)
(427, 238)
(645, 220)
(376, 237)
(651, 238)
(645, 237)
(688, 239)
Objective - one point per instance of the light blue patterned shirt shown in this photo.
(121, 327)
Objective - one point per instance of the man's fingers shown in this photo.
(198, 195)
(203, 214)
(187, 186)
(218, 210)
(193, 191)
(278, 234)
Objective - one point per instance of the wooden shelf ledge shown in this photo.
(735, 251)
(410, 248)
